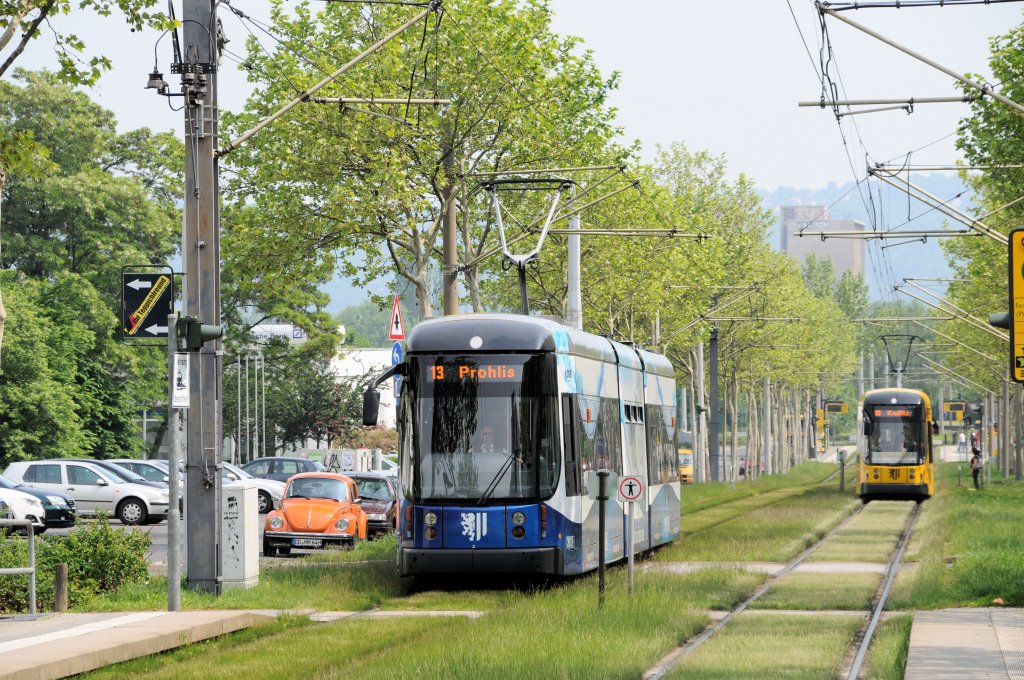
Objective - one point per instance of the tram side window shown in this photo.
(660, 449)
(571, 445)
(599, 434)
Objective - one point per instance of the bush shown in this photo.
(100, 559)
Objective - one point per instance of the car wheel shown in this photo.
(38, 530)
(132, 511)
(267, 550)
(265, 502)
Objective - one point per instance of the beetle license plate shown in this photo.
(307, 542)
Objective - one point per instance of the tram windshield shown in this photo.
(484, 428)
(895, 435)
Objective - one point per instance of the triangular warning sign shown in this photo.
(396, 331)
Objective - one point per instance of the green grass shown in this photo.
(969, 547)
(870, 537)
(887, 658)
(696, 497)
(775, 532)
(559, 630)
(755, 647)
(812, 591)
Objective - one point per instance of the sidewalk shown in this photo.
(966, 644)
(58, 645)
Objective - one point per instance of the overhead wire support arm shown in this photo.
(380, 100)
(910, 233)
(950, 308)
(909, 108)
(909, 101)
(544, 171)
(940, 367)
(305, 96)
(895, 180)
(958, 343)
(983, 89)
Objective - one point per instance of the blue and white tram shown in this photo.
(502, 419)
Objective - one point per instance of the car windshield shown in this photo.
(318, 487)
(237, 471)
(373, 489)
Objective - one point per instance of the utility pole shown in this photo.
(450, 275)
(766, 427)
(201, 256)
(699, 473)
(714, 425)
(574, 303)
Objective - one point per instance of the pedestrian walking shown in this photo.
(961, 446)
(976, 467)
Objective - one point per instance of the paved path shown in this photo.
(966, 644)
(59, 645)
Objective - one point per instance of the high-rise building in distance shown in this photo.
(847, 254)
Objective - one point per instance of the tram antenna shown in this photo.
(900, 367)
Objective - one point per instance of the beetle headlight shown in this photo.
(341, 525)
(276, 522)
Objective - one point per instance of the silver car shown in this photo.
(94, 489)
(268, 491)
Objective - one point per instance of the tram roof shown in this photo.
(902, 395)
(520, 333)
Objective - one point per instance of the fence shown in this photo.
(31, 569)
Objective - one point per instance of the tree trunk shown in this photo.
(753, 438)
(734, 398)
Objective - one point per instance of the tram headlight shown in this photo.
(430, 519)
(518, 518)
(518, 532)
(430, 533)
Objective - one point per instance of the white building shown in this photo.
(355, 363)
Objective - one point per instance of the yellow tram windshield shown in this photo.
(895, 435)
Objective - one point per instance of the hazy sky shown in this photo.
(723, 76)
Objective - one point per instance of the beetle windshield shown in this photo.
(318, 487)
(485, 427)
(896, 436)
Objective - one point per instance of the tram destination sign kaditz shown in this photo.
(147, 297)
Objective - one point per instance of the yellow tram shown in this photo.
(896, 460)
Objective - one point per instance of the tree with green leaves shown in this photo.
(20, 153)
(376, 179)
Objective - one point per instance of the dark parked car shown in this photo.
(59, 507)
(379, 501)
(281, 468)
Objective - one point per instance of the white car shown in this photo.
(94, 489)
(268, 491)
(25, 506)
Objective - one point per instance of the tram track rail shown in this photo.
(669, 661)
(862, 641)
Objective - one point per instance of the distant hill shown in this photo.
(886, 208)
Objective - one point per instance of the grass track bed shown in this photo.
(525, 639)
(812, 591)
(758, 647)
(869, 537)
(774, 533)
(887, 657)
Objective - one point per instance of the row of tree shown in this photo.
(361, 190)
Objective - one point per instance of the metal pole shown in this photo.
(699, 473)
(263, 379)
(942, 413)
(450, 274)
(249, 450)
(629, 542)
(1018, 449)
(984, 89)
(714, 455)
(967, 98)
(31, 565)
(602, 497)
(574, 314)
(1004, 427)
(201, 253)
(175, 438)
(256, 404)
(238, 421)
(766, 427)
(842, 470)
(871, 371)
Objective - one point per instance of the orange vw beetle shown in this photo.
(317, 509)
